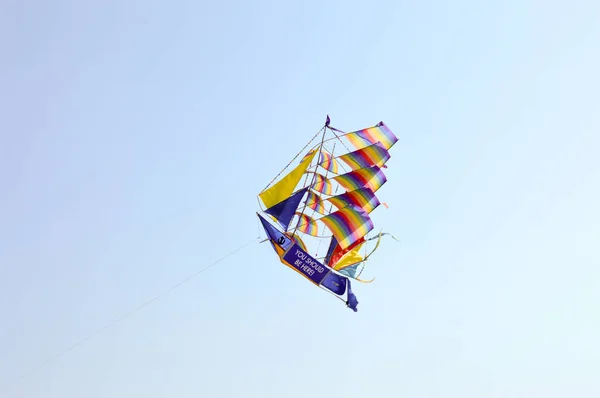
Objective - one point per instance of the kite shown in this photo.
(328, 197)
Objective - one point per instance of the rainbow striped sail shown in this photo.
(328, 162)
(348, 224)
(379, 133)
(322, 184)
(367, 177)
(307, 225)
(364, 198)
(318, 213)
(372, 155)
(315, 202)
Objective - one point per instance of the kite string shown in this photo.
(130, 313)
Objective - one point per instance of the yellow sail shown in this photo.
(350, 258)
(285, 187)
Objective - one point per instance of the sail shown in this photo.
(328, 162)
(348, 224)
(350, 270)
(307, 225)
(283, 188)
(283, 211)
(367, 177)
(337, 252)
(372, 155)
(322, 184)
(378, 133)
(364, 198)
(349, 258)
(314, 202)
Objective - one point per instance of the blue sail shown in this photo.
(284, 211)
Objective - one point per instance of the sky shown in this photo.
(135, 136)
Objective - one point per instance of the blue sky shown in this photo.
(135, 136)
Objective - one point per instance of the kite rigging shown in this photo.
(328, 197)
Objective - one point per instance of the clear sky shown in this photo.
(135, 136)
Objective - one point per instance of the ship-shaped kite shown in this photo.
(327, 198)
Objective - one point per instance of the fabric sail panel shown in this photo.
(284, 211)
(363, 197)
(348, 225)
(371, 135)
(350, 258)
(372, 155)
(307, 225)
(328, 162)
(322, 184)
(284, 188)
(350, 271)
(337, 252)
(315, 203)
(367, 177)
